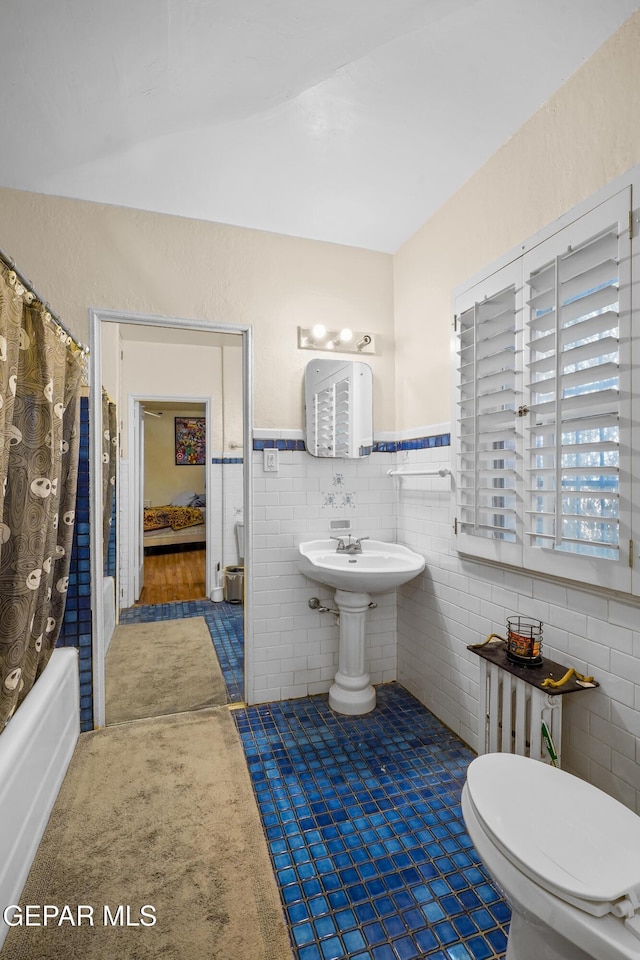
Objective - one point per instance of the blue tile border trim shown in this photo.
(386, 446)
(226, 460)
(279, 445)
(417, 443)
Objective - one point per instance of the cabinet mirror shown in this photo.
(338, 408)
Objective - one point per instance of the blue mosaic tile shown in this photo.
(76, 625)
(280, 444)
(111, 553)
(479, 948)
(415, 443)
(372, 806)
(498, 940)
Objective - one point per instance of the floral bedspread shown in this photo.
(156, 518)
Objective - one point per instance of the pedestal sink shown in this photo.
(356, 575)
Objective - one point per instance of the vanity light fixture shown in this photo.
(337, 341)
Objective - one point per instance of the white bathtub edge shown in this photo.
(35, 750)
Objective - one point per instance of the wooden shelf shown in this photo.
(497, 653)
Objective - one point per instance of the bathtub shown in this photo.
(35, 750)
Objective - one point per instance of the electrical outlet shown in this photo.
(270, 461)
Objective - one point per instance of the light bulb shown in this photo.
(318, 331)
(343, 337)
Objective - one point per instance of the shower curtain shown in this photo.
(109, 457)
(40, 378)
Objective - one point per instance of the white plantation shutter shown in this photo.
(488, 389)
(544, 405)
(576, 325)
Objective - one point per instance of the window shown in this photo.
(544, 426)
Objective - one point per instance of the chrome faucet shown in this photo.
(353, 546)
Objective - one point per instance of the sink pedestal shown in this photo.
(351, 692)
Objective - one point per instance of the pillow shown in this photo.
(184, 499)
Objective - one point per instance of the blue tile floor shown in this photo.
(363, 821)
(362, 817)
(226, 626)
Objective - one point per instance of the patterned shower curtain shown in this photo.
(109, 457)
(40, 377)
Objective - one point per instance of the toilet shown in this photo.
(565, 855)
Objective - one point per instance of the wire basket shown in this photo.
(524, 641)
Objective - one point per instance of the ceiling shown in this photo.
(349, 121)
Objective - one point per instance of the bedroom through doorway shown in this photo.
(174, 495)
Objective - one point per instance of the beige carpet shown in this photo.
(158, 812)
(153, 669)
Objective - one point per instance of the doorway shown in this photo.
(174, 502)
(112, 336)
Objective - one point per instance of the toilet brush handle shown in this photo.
(546, 736)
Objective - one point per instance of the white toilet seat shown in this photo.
(567, 836)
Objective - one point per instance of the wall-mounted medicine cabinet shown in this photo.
(338, 408)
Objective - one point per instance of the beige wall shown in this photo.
(163, 480)
(169, 371)
(232, 401)
(580, 140)
(80, 255)
(151, 370)
(111, 359)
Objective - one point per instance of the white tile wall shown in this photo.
(124, 599)
(232, 499)
(458, 602)
(296, 648)
(215, 548)
(224, 500)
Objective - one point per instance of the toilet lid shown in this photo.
(570, 837)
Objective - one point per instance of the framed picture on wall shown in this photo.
(190, 441)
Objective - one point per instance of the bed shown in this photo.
(173, 525)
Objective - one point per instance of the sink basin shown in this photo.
(381, 566)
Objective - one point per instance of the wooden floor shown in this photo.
(175, 575)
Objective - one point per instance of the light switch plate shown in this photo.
(270, 460)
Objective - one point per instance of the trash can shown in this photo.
(234, 584)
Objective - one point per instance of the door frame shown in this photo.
(135, 567)
(96, 318)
